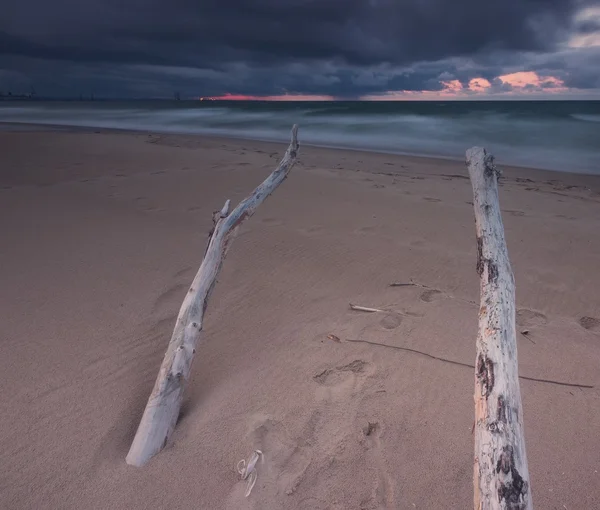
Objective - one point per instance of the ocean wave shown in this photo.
(555, 140)
(586, 118)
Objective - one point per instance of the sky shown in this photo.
(302, 49)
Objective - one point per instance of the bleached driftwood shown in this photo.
(501, 477)
(162, 409)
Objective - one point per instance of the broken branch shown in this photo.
(164, 403)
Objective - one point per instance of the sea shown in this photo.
(554, 135)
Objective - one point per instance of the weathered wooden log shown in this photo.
(164, 403)
(501, 476)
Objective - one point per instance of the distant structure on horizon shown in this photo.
(9, 96)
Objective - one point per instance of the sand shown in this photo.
(102, 233)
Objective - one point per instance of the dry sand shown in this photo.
(101, 235)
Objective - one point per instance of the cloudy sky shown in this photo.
(346, 49)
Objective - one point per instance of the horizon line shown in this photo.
(287, 99)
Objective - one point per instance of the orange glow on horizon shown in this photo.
(522, 83)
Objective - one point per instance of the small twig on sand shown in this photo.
(467, 365)
(411, 283)
(359, 308)
(408, 349)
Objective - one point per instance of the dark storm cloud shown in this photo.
(338, 47)
(588, 26)
(578, 68)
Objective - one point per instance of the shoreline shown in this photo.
(33, 127)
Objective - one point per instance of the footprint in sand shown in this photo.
(391, 321)
(383, 491)
(170, 297)
(366, 229)
(183, 272)
(315, 229)
(339, 384)
(418, 243)
(431, 295)
(273, 222)
(528, 318)
(286, 459)
(334, 376)
(313, 504)
(590, 323)
(514, 213)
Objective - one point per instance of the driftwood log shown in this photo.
(164, 403)
(501, 476)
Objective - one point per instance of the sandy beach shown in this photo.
(102, 233)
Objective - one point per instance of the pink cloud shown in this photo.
(479, 85)
(524, 79)
(519, 84)
(452, 85)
